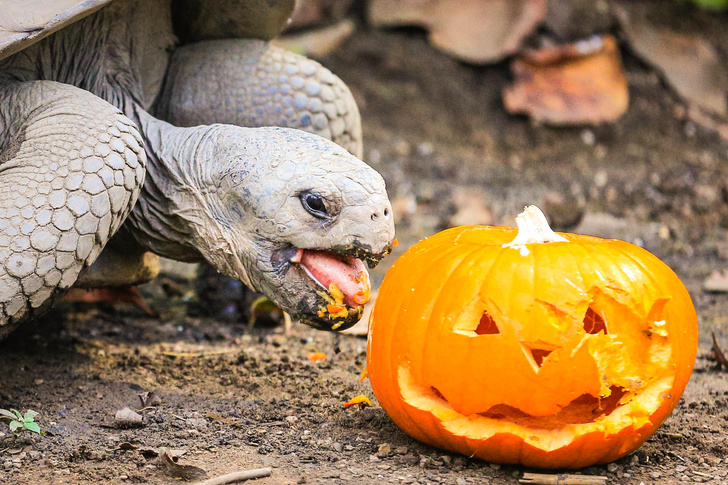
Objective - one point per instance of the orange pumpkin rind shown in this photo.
(553, 352)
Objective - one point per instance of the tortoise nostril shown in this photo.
(375, 215)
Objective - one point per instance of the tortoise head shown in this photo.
(298, 219)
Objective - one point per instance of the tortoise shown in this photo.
(115, 139)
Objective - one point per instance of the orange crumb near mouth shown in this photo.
(360, 399)
(316, 356)
(337, 311)
(364, 294)
(364, 374)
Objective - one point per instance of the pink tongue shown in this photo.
(349, 274)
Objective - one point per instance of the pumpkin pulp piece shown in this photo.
(348, 275)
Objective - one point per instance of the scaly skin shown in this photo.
(253, 83)
(71, 167)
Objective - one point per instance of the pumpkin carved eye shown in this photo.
(538, 349)
(593, 323)
(487, 325)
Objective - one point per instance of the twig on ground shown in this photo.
(237, 476)
(219, 418)
(549, 479)
(198, 354)
(718, 353)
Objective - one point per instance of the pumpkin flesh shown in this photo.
(527, 354)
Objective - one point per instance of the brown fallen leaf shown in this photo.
(717, 282)
(689, 64)
(150, 452)
(175, 470)
(125, 294)
(718, 353)
(471, 207)
(150, 398)
(570, 84)
(126, 418)
(310, 13)
(317, 43)
(477, 31)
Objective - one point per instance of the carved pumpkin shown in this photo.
(552, 351)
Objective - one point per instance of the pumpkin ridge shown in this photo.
(468, 258)
(676, 342)
(434, 262)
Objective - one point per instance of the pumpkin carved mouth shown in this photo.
(622, 415)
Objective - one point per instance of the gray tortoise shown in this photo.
(85, 155)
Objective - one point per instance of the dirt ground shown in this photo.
(235, 397)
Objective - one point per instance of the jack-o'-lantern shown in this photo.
(548, 350)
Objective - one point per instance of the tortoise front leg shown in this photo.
(253, 83)
(71, 167)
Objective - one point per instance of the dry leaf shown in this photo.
(310, 13)
(317, 43)
(717, 282)
(688, 62)
(477, 31)
(175, 470)
(150, 398)
(126, 294)
(126, 418)
(571, 84)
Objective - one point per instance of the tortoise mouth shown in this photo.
(337, 282)
(341, 282)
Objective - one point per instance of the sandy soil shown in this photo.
(437, 131)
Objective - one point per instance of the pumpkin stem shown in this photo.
(533, 228)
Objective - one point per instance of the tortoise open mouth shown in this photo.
(341, 280)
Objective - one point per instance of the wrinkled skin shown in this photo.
(235, 197)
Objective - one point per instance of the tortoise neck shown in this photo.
(173, 201)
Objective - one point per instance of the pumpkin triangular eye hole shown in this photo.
(487, 325)
(594, 323)
(539, 355)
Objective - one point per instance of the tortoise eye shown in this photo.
(314, 204)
